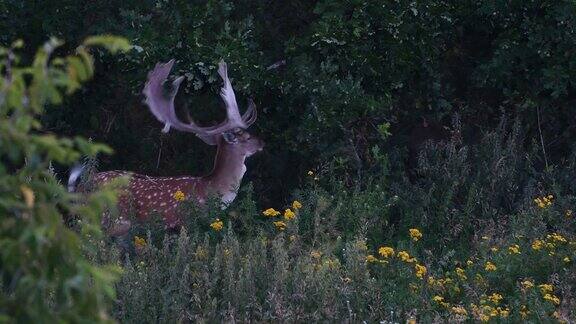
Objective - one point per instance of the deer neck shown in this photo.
(225, 178)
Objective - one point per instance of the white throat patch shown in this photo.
(229, 196)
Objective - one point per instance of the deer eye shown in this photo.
(230, 137)
(239, 131)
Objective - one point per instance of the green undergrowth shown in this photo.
(476, 235)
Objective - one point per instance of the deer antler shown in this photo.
(227, 94)
(161, 104)
(250, 115)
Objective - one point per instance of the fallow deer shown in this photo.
(145, 194)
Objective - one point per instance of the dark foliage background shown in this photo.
(350, 90)
(351, 69)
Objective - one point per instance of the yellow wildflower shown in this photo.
(386, 251)
(404, 256)
(289, 214)
(280, 225)
(217, 225)
(527, 284)
(469, 262)
(555, 300)
(459, 310)
(490, 266)
(370, 258)
(537, 245)
(420, 271)
(437, 283)
(179, 195)
(544, 202)
(495, 298)
(556, 238)
(494, 249)
(504, 312)
(315, 254)
(415, 234)
(514, 249)
(296, 204)
(461, 273)
(29, 196)
(524, 312)
(546, 288)
(438, 299)
(346, 280)
(310, 173)
(568, 213)
(139, 242)
(494, 312)
(566, 259)
(271, 212)
(411, 321)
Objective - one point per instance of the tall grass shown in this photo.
(477, 234)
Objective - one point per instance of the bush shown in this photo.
(44, 275)
(474, 236)
(350, 67)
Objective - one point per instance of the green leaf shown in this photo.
(114, 44)
(87, 60)
(17, 44)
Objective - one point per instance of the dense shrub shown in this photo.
(44, 274)
(350, 68)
